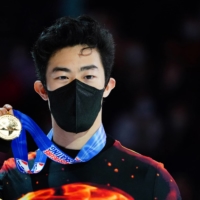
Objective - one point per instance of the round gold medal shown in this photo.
(10, 127)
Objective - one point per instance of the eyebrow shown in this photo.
(88, 67)
(65, 69)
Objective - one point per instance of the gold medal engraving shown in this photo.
(10, 127)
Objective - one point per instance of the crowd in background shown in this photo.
(154, 108)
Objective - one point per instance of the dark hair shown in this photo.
(66, 32)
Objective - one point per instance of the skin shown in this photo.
(63, 67)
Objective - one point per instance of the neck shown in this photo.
(71, 140)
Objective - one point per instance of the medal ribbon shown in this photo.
(47, 149)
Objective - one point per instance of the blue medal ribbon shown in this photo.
(47, 149)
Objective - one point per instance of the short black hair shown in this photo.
(68, 32)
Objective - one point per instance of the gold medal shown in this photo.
(10, 127)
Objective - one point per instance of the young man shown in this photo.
(73, 59)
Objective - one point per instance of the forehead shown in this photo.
(75, 57)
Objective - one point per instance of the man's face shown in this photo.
(71, 63)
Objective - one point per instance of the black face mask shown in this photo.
(75, 106)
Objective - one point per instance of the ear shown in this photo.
(39, 88)
(111, 84)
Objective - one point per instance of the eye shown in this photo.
(61, 77)
(89, 77)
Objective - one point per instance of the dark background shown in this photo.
(154, 108)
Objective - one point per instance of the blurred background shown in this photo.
(154, 108)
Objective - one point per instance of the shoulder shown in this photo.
(153, 173)
(136, 157)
